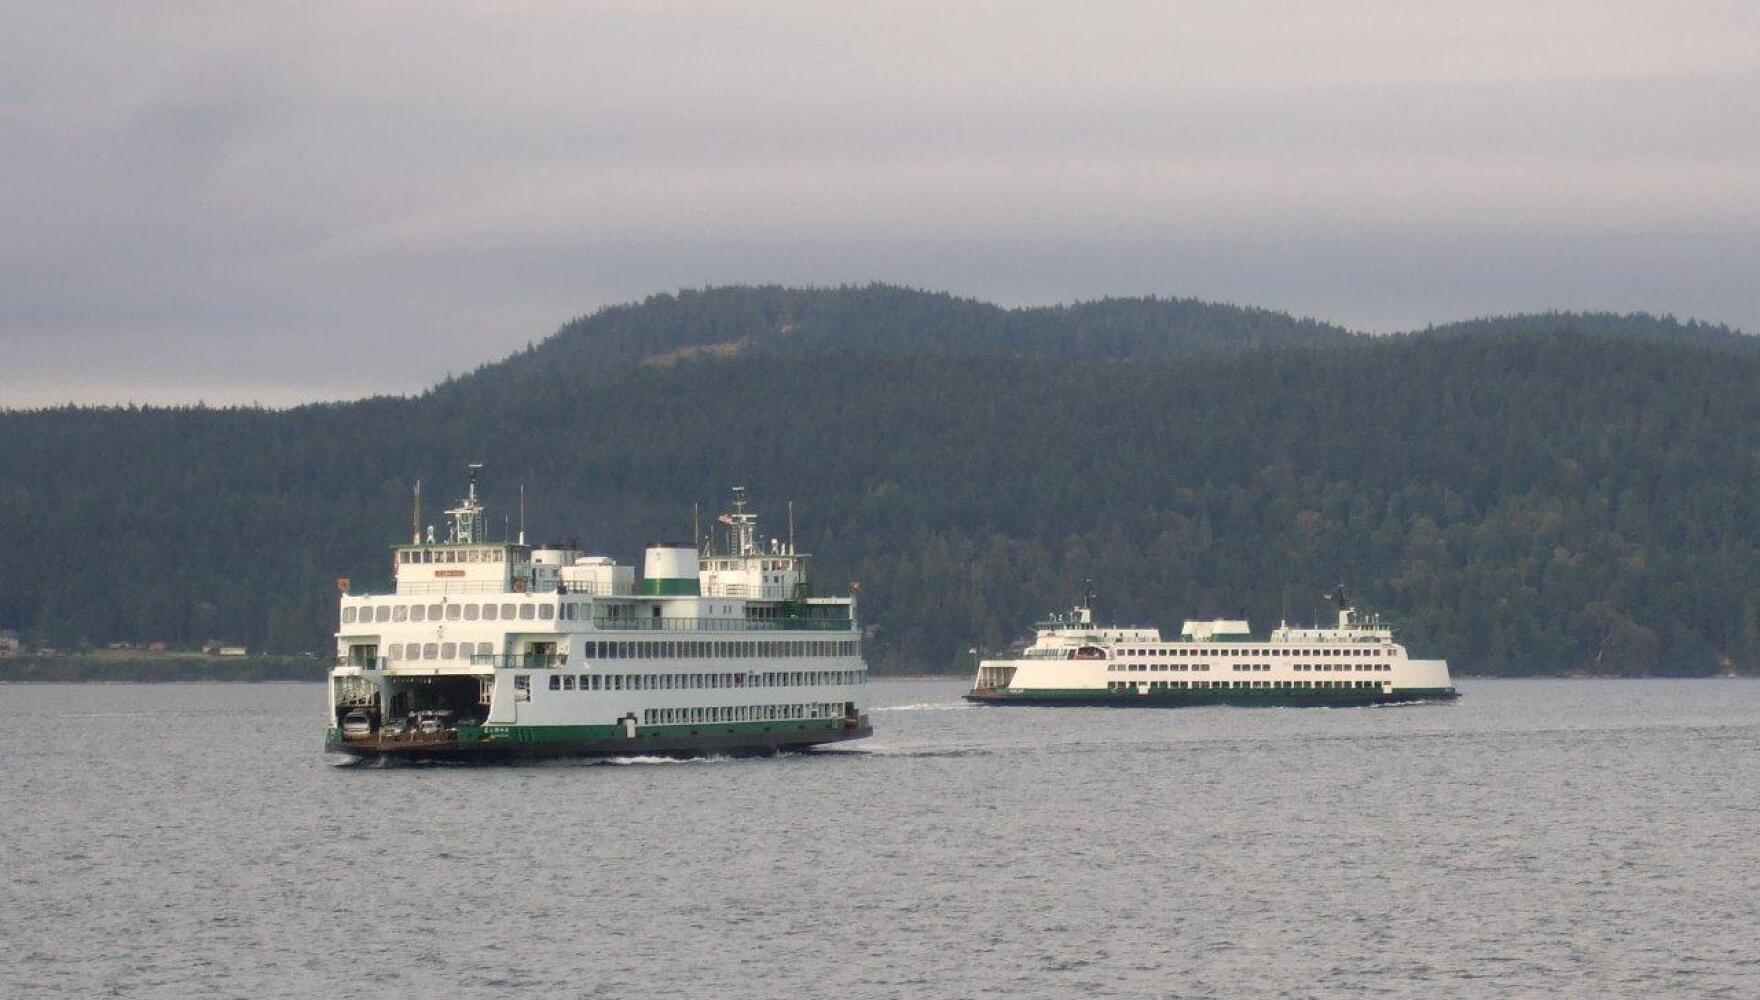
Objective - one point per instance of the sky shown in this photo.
(283, 202)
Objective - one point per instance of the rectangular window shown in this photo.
(568, 682)
(471, 612)
(400, 613)
(507, 612)
(489, 611)
(546, 611)
(430, 651)
(527, 612)
(555, 683)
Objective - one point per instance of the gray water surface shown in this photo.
(1574, 838)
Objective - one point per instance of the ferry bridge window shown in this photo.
(348, 615)
(400, 613)
(527, 612)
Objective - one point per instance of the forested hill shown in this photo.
(1567, 493)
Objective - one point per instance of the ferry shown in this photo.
(499, 650)
(1073, 661)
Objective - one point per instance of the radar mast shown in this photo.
(468, 526)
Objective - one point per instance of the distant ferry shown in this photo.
(501, 650)
(1072, 661)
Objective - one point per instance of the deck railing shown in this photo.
(522, 661)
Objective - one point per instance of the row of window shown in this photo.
(1267, 685)
(715, 650)
(1344, 666)
(741, 713)
(438, 650)
(1176, 651)
(636, 650)
(414, 556)
(508, 611)
(681, 682)
(1157, 667)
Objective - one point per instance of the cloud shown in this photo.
(301, 201)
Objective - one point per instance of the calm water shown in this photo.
(1569, 837)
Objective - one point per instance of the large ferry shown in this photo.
(503, 650)
(1073, 661)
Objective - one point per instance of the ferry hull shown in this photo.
(1194, 698)
(551, 742)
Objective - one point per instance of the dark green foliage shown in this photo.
(1568, 494)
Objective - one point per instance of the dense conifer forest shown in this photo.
(1541, 494)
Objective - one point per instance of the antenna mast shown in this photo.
(415, 517)
(522, 513)
(791, 527)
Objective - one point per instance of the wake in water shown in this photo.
(648, 759)
(927, 706)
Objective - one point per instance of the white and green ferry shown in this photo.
(496, 650)
(1073, 661)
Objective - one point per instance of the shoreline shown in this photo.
(167, 669)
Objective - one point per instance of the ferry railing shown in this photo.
(426, 588)
(521, 661)
(765, 592)
(422, 588)
(724, 624)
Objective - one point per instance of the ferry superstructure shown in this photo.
(1073, 661)
(499, 649)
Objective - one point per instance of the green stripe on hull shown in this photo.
(515, 742)
(1194, 697)
(580, 734)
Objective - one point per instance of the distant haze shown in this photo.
(281, 202)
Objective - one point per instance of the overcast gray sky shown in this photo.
(285, 202)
